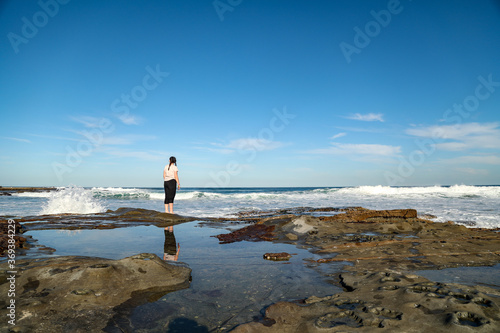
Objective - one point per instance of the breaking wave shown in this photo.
(73, 200)
(469, 205)
(455, 191)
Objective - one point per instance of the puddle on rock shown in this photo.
(231, 283)
(487, 276)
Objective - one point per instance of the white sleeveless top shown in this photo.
(170, 174)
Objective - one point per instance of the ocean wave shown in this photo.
(72, 200)
(454, 191)
(120, 193)
(472, 205)
(33, 194)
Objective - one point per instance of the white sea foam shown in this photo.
(470, 205)
(301, 225)
(33, 194)
(322, 194)
(75, 200)
(195, 195)
(120, 193)
(427, 191)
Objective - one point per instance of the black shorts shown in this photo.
(170, 187)
(170, 245)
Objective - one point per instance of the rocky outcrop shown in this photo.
(8, 190)
(377, 249)
(281, 256)
(10, 233)
(367, 215)
(120, 218)
(82, 294)
(370, 239)
(252, 233)
(393, 301)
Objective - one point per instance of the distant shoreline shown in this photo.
(7, 190)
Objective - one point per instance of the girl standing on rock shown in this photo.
(170, 182)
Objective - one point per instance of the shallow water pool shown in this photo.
(231, 283)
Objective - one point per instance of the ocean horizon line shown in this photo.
(241, 187)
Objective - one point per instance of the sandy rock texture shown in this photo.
(393, 239)
(119, 218)
(380, 249)
(387, 302)
(82, 294)
(10, 233)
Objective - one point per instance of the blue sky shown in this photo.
(250, 93)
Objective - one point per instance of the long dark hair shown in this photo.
(172, 160)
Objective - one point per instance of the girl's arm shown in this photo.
(177, 253)
(177, 179)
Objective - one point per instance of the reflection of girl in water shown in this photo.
(170, 247)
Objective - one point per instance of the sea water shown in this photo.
(473, 206)
(232, 283)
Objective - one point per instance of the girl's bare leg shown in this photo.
(171, 208)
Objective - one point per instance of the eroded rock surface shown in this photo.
(380, 249)
(11, 232)
(393, 301)
(281, 256)
(82, 294)
(120, 218)
(394, 239)
(8, 190)
(251, 233)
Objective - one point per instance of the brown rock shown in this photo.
(253, 233)
(365, 215)
(393, 302)
(10, 231)
(120, 218)
(82, 294)
(277, 256)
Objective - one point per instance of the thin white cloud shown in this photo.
(461, 136)
(474, 159)
(358, 149)
(254, 144)
(130, 120)
(451, 146)
(457, 132)
(361, 129)
(224, 151)
(367, 117)
(94, 122)
(473, 171)
(90, 122)
(244, 144)
(140, 155)
(126, 139)
(16, 139)
(55, 137)
(338, 135)
(100, 138)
